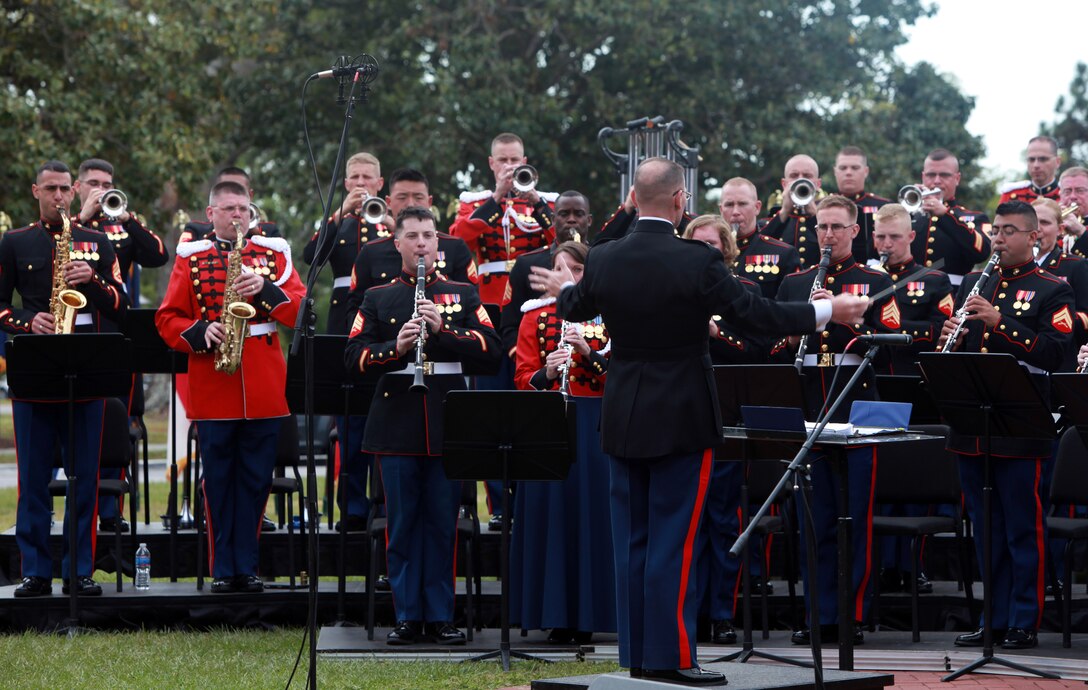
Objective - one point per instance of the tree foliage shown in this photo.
(171, 90)
(1071, 127)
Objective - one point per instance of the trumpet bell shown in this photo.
(374, 210)
(911, 196)
(802, 192)
(255, 216)
(114, 204)
(525, 178)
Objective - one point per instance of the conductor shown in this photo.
(660, 420)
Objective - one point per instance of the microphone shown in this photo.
(894, 339)
(346, 66)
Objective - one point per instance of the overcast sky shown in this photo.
(988, 47)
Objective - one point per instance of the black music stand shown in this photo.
(64, 369)
(529, 437)
(987, 395)
(334, 394)
(909, 389)
(151, 355)
(740, 386)
(1070, 391)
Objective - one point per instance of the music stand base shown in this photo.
(742, 656)
(505, 654)
(986, 659)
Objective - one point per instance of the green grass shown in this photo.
(236, 659)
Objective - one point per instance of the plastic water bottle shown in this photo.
(143, 568)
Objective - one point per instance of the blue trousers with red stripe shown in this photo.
(355, 464)
(237, 458)
(38, 428)
(861, 467)
(719, 573)
(657, 506)
(421, 536)
(1019, 532)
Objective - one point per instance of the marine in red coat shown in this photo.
(500, 225)
(239, 415)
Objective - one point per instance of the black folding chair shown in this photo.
(1069, 487)
(923, 472)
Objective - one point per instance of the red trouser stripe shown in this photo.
(689, 549)
(1040, 553)
(859, 600)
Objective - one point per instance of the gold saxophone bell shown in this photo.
(72, 301)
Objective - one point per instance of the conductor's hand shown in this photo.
(214, 335)
(848, 309)
(946, 332)
(42, 323)
(409, 333)
(1082, 355)
(549, 282)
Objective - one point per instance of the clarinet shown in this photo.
(961, 313)
(418, 386)
(817, 284)
(564, 368)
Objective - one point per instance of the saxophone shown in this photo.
(236, 313)
(64, 302)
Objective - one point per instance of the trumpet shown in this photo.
(911, 196)
(418, 386)
(114, 204)
(373, 210)
(961, 313)
(1068, 238)
(802, 192)
(525, 178)
(255, 216)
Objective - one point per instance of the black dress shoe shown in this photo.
(685, 676)
(1020, 638)
(494, 524)
(891, 580)
(85, 587)
(582, 637)
(445, 633)
(759, 585)
(248, 583)
(114, 524)
(34, 587)
(723, 632)
(635, 672)
(828, 633)
(223, 585)
(382, 585)
(267, 525)
(352, 523)
(974, 639)
(561, 636)
(925, 585)
(406, 632)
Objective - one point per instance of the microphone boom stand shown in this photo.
(797, 474)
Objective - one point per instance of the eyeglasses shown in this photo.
(835, 228)
(686, 193)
